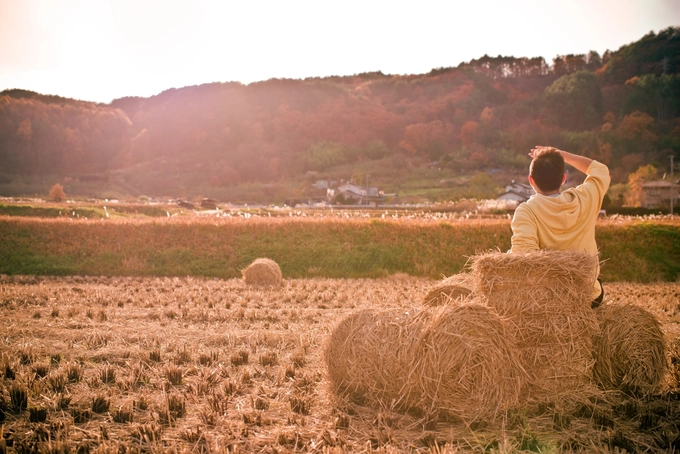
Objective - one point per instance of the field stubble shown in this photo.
(198, 365)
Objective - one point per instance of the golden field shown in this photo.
(129, 364)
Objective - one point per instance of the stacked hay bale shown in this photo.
(518, 328)
(629, 350)
(262, 271)
(456, 288)
(368, 354)
(455, 360)
(465, 364)
(545, 299)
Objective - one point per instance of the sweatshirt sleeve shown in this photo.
(524, 233)
(597, 182)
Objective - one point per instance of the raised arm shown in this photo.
(580, 163)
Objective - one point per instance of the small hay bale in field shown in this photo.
(465, 364)
(545, 298)
(629, 350)
(262, 271)
(367, 354)
(453, 289)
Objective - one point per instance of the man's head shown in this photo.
(547, 170)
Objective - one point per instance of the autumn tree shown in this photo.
(57, 193)
(427, 139)
(637, 126)
(642, 175)
(637, 133)
(416, 138)
(468, 133)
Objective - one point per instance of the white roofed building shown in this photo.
(518, 192)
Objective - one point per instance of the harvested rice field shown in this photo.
(119, 365)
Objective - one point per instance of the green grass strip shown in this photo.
(636, 252)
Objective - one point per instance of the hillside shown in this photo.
(259, 142)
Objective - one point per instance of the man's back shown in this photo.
(561, 220)
(565, 221)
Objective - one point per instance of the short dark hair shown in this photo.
(547, 169)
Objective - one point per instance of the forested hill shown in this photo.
(622, 108)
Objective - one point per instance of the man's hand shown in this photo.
(580, 163)
(538, 148)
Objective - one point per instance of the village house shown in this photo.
(657, 194)
(358, 195)
(517, 192)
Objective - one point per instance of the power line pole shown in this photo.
(672, 185)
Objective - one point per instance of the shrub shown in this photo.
(57, 193)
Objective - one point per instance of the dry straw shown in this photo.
(368, 354)
(465, 364)
(456, 288)
(262, 271)
(545, 298)
(629, 350)
(455, 360)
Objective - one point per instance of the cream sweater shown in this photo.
(565, 221)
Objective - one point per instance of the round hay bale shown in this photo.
(367, 355)
(465, 364)
(629, 349)
(545, 299)
(453, 289)
(456, 360)
(262, 271)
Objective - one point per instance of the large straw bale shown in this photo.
(453, 289)
(454, 359)
(629, 350)
(567, 275)
(465, 364)
(545, 297)
(262, 271)
(368, 353)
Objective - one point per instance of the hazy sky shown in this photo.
(98, 50)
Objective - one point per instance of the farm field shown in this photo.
(332, 245)
(129, 364)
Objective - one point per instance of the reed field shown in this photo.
(132, 364)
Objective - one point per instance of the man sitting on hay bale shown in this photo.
(556, 220)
